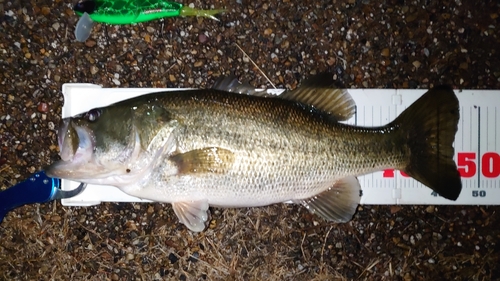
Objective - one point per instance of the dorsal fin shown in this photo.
(232, 84)
(319, 91)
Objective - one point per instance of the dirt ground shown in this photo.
(365, 43)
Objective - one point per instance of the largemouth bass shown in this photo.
(201, 148)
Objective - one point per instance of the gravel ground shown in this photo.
(366, 44)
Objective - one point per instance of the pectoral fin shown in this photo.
(205, 160)
(338, 203)
(192, 214)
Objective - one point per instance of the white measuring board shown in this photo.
(477, 144)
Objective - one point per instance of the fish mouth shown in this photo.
(76, 146)
(62, 133)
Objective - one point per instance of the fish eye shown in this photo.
(93, 115)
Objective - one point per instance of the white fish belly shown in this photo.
(227, 191)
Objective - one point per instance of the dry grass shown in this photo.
(283, 242)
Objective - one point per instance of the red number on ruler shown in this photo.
(466, 165)
(389, 173)
(490, 165)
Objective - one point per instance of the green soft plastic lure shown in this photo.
(129, 12)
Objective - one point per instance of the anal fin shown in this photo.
(192, 214)
(336, 204)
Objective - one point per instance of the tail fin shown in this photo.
(187, 11)
(430, 125)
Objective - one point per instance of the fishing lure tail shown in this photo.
(187, 12)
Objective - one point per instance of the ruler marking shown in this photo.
(355, 115)
(470, 130)
(380, 115)
(364, 114)
(463, 124)
(478, 146)
(487, 126)
(372, 115)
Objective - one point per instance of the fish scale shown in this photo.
(213, 147)
(340, 155)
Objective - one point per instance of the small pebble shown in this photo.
(202, 38)
(90, 43)
(395, 208)
(45, 11)
(55, 218)
(426, 52)
(94, 69)
(194, 257)
(212, 224)
(173, 258)
(43, 107)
